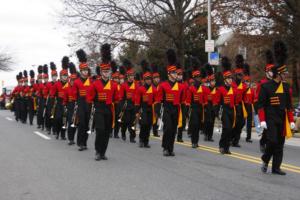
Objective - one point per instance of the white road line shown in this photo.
(8, 118)
(42, 135)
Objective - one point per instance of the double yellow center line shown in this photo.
(240, 156)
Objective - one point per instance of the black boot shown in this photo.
(278, 172)
(264, 167)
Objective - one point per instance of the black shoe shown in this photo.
(166, 153)
(141, 145)
(236, 145)
(97, 157)
(249, 141)
(147, 146)
(39, 127)
(124, 138)
(195, 146)
(85, 148)
(103, 157)
(132, 141)
(180, 140)
(264, 167)
(71, 143)
(171, 153)
(31, 123)
(81, 148)
(156, 135)
(210, 140)
(227, 152)
(63, 138)
(222, 151)
(278, 172)
(116, 136)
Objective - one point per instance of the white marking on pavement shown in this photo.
(42, 135)
(8, 118)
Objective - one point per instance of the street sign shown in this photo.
(209, 45)
(214, 58)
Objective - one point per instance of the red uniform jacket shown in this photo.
(83, 88)
(71, 93)
(104, 92)
(227, 97)
(195, 95)
(144, 95)
(249, 96)
(127, 91)
(59, 90)
(212, 96)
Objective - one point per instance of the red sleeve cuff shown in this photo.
(261, 115)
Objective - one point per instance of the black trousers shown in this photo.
(184, 116)
(31, 110)
(103, 126)
(170, 120)
(84, 111)
(209, 121)
(195, 123)
(263, 139)
(239, 124)
(40, 112)
(117, 124)
(58, 120)
(146, 124)
(249, 120)
(127, 123)
(23, 109)
(71, 130)
(227, 127)
(17, 108)
(48, 120)
(274, 147)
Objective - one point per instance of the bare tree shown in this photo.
(271, 18)
(5, 62)
(132, 20)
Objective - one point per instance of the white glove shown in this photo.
(292, 125)
(263, 125)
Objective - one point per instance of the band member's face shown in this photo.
(212, 83)
(20, 83)
(173, 76)
(148, 81)
(105, 74)
(54, 78)
(247, 83)
(269, 74)
(179, 77)
(26, 83)
(198, 79)
(130, 78)
(40, 80)
(45, 80)
(228, 81)
(156, 80)
(284, 76)
(122, 80)
(64, 78)
(239, 76)
(72, 81)
(117, 80)
(85, 73)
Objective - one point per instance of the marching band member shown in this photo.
(144, 103)
(268, 76)
(248, 101)
(40, 98)
(241, 113)
(194, 101)
(58, 97)
(227, 98)
(47, 100)
(275, 111)
(16, 97)
(155, 83)
(212, 104)
(72, 97)
(116, 79)
(169, 95)
(83, 85)
(127, 95)
(32, 97)
(24, 99)
(183, 106)
(104, 94)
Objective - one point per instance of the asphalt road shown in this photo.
(39, 168)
